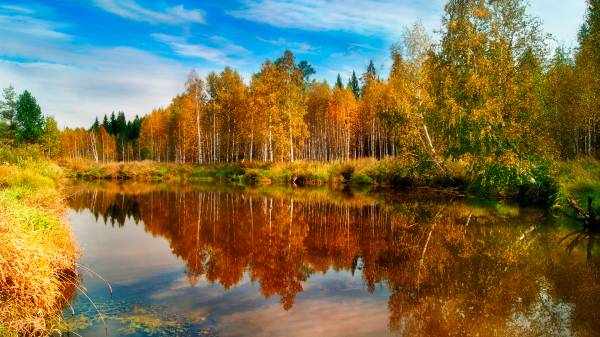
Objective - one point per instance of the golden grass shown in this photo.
(37, 252)
(367, 171)
(138, 170)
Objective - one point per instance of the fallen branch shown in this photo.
(590, 220)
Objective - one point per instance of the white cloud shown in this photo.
(345, 317)
(222, 50)
(371, 17)
(296, 47)
(77, 82)
(130, 9)
(124, 79)
(19, 20)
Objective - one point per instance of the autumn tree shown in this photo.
(50, 138)
(279, 95)
(318, 145)
(342, 110)
(588, 75)
(196, 89)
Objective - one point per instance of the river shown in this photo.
(208, 260)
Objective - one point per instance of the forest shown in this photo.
(487, 93)
(488, 106)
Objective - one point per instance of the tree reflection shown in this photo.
(451, 269)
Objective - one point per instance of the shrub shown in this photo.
(361, 179)
(346, 171)
(530, 181)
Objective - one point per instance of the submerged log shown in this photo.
(590, 219)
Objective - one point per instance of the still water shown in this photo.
(224, 261)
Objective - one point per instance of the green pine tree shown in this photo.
(354, 85)
(338, 82)
(28, 118)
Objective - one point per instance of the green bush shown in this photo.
(531, 182)
(361, 179)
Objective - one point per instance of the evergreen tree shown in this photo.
(354, 85)
(338, 82)
(307, 71)
(28, 119)
(371, 73)
(112, 125)
(96, 126)
(105, 123)
(591, 27)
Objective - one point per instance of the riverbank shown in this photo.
(37, 257)
(37, 252)
(385, 172)
(525, 182)
(579, 179)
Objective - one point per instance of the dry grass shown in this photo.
(139, 170)
(367, 171)
(37, 252)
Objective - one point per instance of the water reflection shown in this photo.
(581, 237)
(447, 267)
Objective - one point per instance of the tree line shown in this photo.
(22, 120)
(487, 90)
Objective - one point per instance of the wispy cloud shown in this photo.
(76, 82)
(364, 17)
(131, 9)
(16, 8)
(22, 20)
(220, 50)
(297, 47)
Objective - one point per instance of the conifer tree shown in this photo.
(28, 118)
(338, 82)
(354, 85)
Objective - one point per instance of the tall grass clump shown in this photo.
(37, 252)
(579, 179)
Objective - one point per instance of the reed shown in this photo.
(37, 255)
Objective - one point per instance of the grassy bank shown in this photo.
(524, 181)
(37, 252)
(387, 172)
(580, 179)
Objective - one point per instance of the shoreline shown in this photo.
(39, 262)
(386, 173)
(38, 253)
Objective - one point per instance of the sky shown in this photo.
(87, 58)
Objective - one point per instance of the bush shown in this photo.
(361, 179)
(346, 171)
(529, 181)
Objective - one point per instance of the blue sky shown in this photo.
(89, 57)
